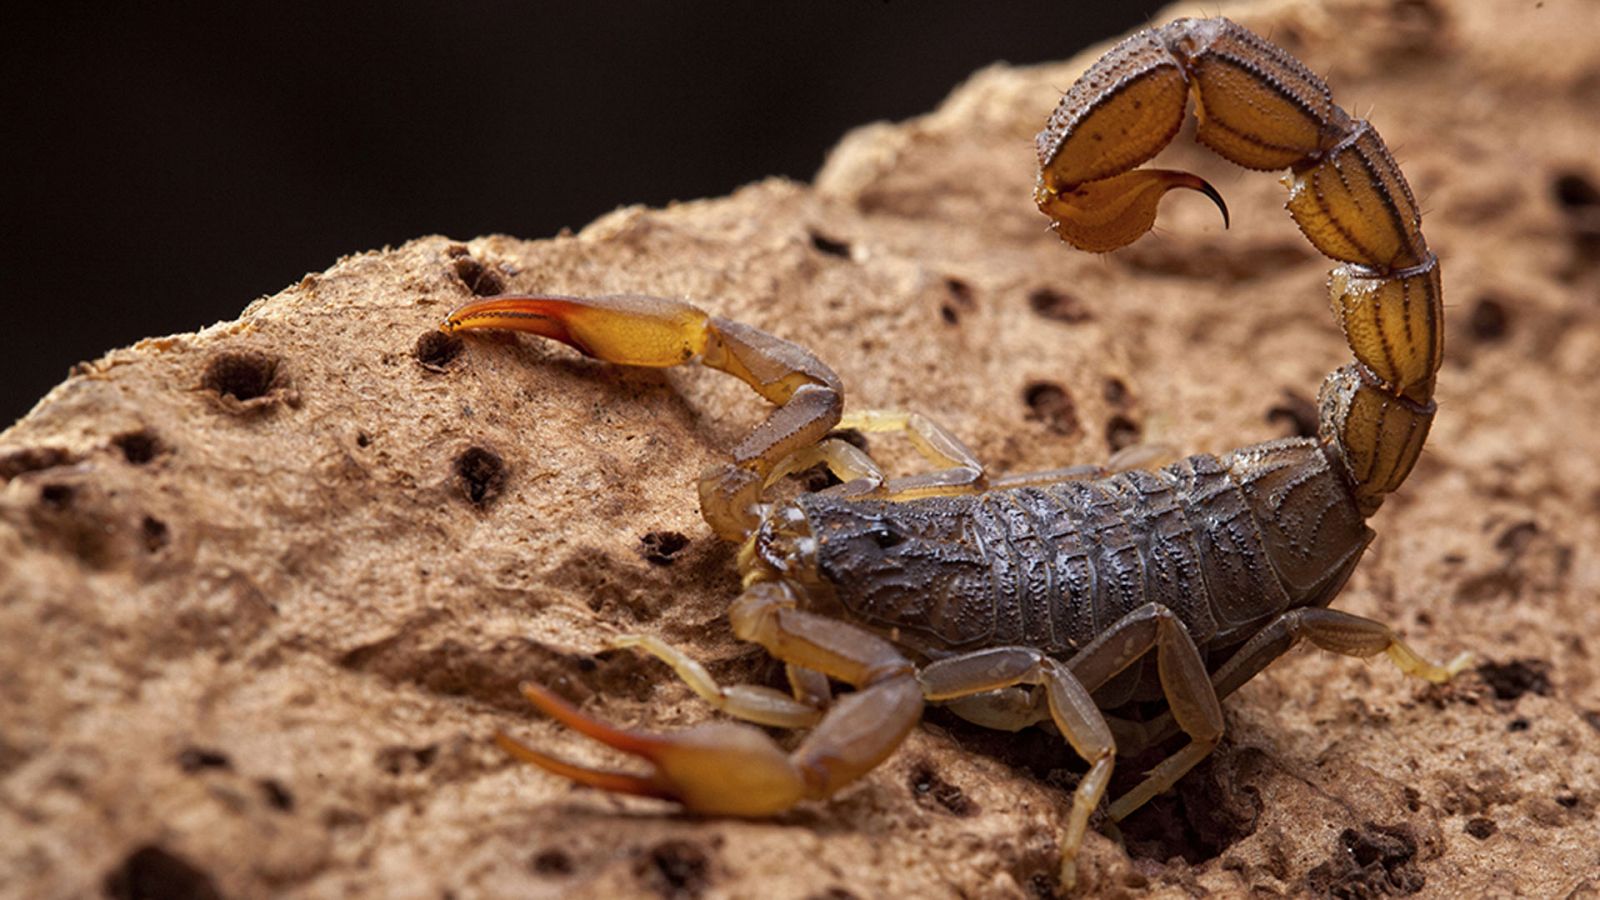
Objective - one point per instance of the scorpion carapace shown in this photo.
(1025, 599)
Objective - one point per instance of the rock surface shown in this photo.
(268, 588)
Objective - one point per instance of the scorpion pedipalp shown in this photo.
(631, 329)
(717, 767)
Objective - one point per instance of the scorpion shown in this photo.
(1023, 599)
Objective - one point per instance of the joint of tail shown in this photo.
(1345, 134)
(1375, 434)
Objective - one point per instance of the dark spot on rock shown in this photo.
(1516, 538)
(1413, 798)
(150, 872)
(401, 760)
(153, 533)
(1574, 192)
(816, 478)
(57, 496)
(138, 447)
(1121, 431)
(1489, 322)
(961, 300)
(481, 474)
(194, 759)
(1592, 717)
(675, 868)
(32, 459)
(1116, 392)
(1373, 861)
(1513, 679)
(552, 862)
(243, 375)
(819, 476)
(478, 278)
(1207, 812)
(276, 795)
(661, 548)
(1481, 828)
(1517, 724)
(1567, 801)
(850, 436)
(1058, 306)
(1296, 413)
(1051, 404)
(363, 439)
(1579, 200)
(435, 349)
(927, 785)
(833, 892)
(1502, 581)
(827, 246)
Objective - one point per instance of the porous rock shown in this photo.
(269, 587)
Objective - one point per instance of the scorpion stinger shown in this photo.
(1062, 596)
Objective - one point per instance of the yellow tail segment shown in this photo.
(1261, 109)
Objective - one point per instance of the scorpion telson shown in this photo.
(1026, 599)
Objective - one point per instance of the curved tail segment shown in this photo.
(1259, 108)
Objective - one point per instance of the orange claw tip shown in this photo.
(616, 782)
(544, 316)
(546, 701)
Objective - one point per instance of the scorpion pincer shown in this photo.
(1024, 599)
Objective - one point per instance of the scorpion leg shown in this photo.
(960, 472)
(1328, 629)
(1137, 456)
(749, 702)
(1072, 709)
(808, 685)
(729, 769)
(848, 463)
(1184, 681)
(652, 331)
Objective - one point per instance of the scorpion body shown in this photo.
(1219, 542)
(1062, 596)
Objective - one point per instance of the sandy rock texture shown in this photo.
(267, 589)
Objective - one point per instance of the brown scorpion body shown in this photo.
(1053, 567)
(1062, 596)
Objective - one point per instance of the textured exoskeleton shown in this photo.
(1039, 598)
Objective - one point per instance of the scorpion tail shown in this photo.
(1260, 108)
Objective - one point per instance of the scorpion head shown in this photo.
(897, 564)
(782, 547)
(823, 543)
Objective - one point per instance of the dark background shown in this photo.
(167, 167)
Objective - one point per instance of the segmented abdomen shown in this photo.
(1224, 543)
